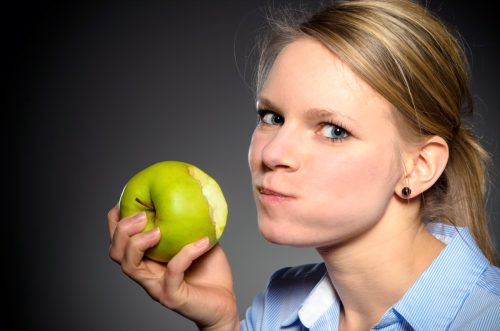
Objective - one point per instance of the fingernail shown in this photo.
(139, 217)
(152, 233)
(202, 242)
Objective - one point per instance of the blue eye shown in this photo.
(270, 118)
(334, 132)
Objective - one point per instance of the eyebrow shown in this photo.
(312, 113)
(266, 103)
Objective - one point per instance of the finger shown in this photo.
(136, 248)
(178, 265)
(113, 218)
(126, 228)
(213, 272)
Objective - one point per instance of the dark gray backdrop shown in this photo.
(97, 91)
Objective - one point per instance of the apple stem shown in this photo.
(145, 204)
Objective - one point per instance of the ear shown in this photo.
(425, 167)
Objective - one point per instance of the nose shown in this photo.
(282, 150)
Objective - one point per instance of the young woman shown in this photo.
(360, 152)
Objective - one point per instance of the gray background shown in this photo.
(97, 91)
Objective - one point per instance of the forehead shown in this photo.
(308, 75)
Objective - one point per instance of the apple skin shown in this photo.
(173, 198)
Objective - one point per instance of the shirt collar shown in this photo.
(316, 304)
(319, 300)
(435, 298)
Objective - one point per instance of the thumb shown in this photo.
(177, 266)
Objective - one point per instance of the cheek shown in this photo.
(360, 178)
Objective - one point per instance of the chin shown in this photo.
(280, 233)
(274, 231)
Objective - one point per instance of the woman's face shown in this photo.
(324, 157)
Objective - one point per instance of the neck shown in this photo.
(373, 271)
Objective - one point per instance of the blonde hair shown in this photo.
(412, 59)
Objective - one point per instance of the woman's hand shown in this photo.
(196, 285)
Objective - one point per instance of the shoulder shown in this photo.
(481, 309)
(490, 281)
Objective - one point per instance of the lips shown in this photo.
(267, 192)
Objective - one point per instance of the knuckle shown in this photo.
(120, 229)
(113, 254)
(170, 270)
(126, 268)
(112, 214)
(134, 242)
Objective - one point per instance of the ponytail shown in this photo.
(465, 179)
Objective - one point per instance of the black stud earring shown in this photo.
(406, 191)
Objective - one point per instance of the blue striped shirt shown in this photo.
(460, 290)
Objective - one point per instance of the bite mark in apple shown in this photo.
(211, 192)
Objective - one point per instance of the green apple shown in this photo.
(179, 198)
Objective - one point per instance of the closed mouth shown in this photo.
(268, 192)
